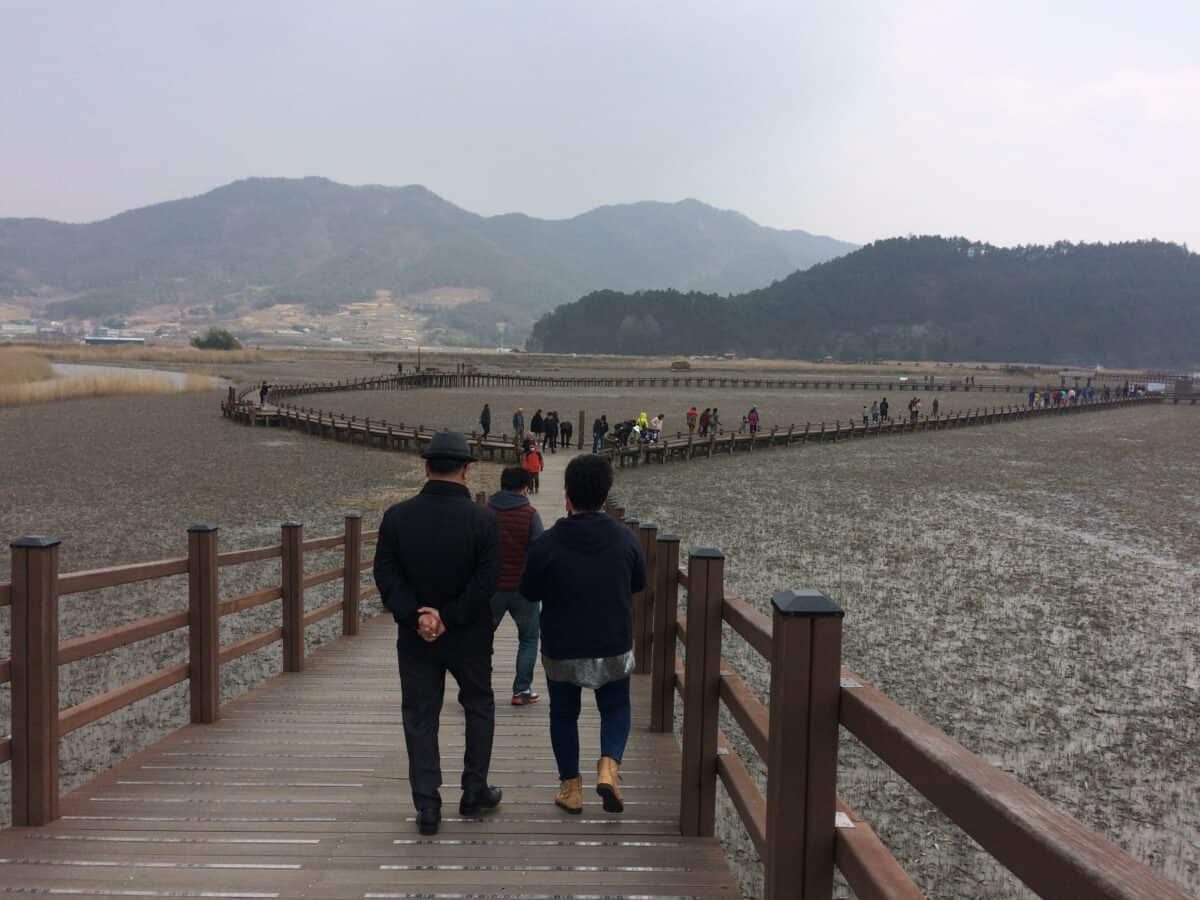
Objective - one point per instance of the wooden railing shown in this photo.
(802, 829)
(38, 723)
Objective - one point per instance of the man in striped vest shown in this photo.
(520, 525)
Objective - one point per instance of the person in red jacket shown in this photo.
(533, 462)
(520, 525)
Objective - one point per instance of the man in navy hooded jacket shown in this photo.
(584, 572)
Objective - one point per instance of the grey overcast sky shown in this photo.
(1005, 121)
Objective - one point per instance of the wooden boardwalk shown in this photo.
(300, 790)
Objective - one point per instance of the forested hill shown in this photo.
(922, 298)
(268, 240)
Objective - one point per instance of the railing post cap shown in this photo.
(292, 524)
(668, 538)
(805, 603)
(35, 542)
(705, 553)
(648, 526)
(201, 528)
(630, 520)
(353, 515)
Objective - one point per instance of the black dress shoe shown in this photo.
(473, 804)
(428, 821)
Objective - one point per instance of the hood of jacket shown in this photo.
(507, 500)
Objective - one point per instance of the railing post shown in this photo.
(806, 660)
(293, 596)
(34, 681)
(351, 575)
(204, 625)
(702, 692)
(662, 650)
(643, 635)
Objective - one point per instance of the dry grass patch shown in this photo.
(21, 366)
(107, 385)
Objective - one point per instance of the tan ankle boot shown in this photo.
(570, 795)
(608, 784)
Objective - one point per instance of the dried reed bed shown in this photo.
(77, 387)
(117, 355)
(21, 366)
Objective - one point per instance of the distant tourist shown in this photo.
(714, 423)
(550, 432)
(866, 414)
(485, 420)
(262, 394)
(599, 430)
(520, 525)
(692, 418)
(935, 407)
(656, 425)
(533, 462)
(584, 571)
(565, 431)
(705, 421)
(752, 419)
(538, 426)
(437, 563)
(518, 424)
(883, 410)
(874, 410)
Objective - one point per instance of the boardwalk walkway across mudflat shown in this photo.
(300, 790)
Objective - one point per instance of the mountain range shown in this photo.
(936, 298)
(263, 241)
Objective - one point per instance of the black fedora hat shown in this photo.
(449, 445)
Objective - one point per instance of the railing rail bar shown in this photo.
(249, 601)
(120, 636)
(249, 645)
(753, 626)
(325, 543)
(1051, 852)
(322, 612)
(254, 554)
(114, 576)
(867, 864)
(322, 577)
(109, 702)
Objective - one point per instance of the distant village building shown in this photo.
(104, 339)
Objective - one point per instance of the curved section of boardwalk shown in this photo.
(300, 790)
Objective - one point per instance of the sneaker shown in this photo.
(525, 698)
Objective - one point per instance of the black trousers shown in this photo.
(422, 685)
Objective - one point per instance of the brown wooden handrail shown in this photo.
(115, 576)
(254, 554)
(121, 636)
(110, 701)
(248, 601)
(1051, 852)
(39, 723)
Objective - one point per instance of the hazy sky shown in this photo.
(1004, 121)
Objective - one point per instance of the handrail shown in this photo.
(254, 554)
(249, 645)
(120, 636)
(324, 543)
(115, 576)
(248, 601)
(1051, 852)
(812, 698)
(747, 621)
(100, 706)
(322, 577)
(322, 612)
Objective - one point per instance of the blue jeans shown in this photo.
(527, 615)
(616, 718)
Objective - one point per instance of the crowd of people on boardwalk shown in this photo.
(1065, 397)
(449, 570)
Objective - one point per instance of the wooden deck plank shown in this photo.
(301, 790)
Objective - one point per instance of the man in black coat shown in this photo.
(437, 564)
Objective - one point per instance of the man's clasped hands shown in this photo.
(429, 624)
